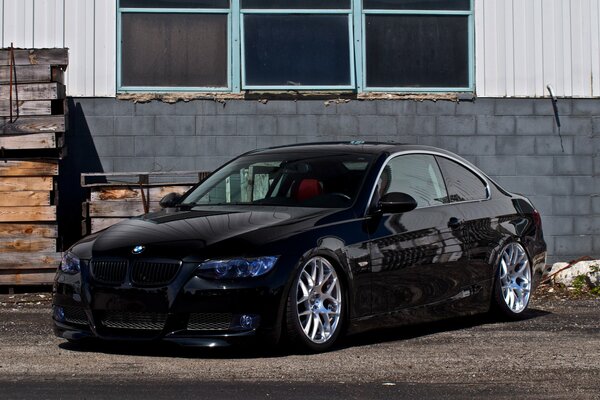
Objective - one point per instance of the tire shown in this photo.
(513, 283)
(315, 306)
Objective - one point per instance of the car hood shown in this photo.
(175, 233)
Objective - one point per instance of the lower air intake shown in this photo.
(139, 321)
(209, 322)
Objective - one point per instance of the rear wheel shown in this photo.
(512, 287)
(315, 307)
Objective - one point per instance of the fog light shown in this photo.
(59, 313)
(246, 321)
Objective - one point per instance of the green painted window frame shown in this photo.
(357, 49)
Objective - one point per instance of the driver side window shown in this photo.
(417, 175)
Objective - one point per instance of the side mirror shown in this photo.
(395, 202)
(170, 200)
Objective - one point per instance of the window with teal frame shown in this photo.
(244, 45)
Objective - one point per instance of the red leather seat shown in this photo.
(307, 189)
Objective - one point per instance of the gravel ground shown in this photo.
(553, 353)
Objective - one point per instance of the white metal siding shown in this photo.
(86, 27)
(524, 45)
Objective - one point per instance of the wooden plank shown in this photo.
(25, 198)
(34, 91)
(33, 124)
(37, 183)
(98, 224)
(28, 230)
(119, 209)
(33, 107)
(133, 193)
(36, 57)
(27, 142)
(13, 261)
(26, 245)
(28, 278)
(28, 168)
(26, 214)
(31, 74)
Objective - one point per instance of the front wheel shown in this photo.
(315, 307)
(512, 287)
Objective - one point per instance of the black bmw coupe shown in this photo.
(307, 242)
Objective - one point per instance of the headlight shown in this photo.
(70, 263)
(236, 268)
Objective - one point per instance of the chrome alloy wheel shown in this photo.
(515, 277)
(318, 300)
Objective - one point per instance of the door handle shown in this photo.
(454, 223)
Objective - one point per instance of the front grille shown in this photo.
(131, 320)
(75, 315)
(151, 273)
(109, 271)
(209, 322)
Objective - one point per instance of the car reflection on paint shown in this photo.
(307, 243)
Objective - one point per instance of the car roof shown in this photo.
(356, 146)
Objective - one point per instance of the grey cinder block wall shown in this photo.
(515, 141)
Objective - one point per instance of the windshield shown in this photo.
(290, 179)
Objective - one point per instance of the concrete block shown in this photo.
(99, 126)
(571, 205)
(515, 145)
(149, 146)
(514, 107)
(405, 139)
(476, 145)
(553, 226)
(396, 107)
(136, 125)
(175, 163)
(216, 125)
(357, 107)
(206, 145)
(573, 165)
(314, 107)
(581, 126)
(154, 107)
(452, 125)
(544, 107)
(377, 125)
(415, 125)
(104, 107)
(589, 107)
(176, 125)
(535, 125)
(114, 146)
(551, 145)
(586, 145)
(537, 185)
(449, 143)
(277, 107)
(596, 126)
(296, 125)
(534, 165)
(487, 125)
(543, 204)
(209, 163)
(237, 107)
(256, 125)
(278, 140)
(586, 185)
(234, 145)
(573, 245)
(193, 107)
(134, 164)
(497, 165)
(481, 106)
(440, 107)
(186, 145)
(333, 125)
(587, 225)
(107, 164)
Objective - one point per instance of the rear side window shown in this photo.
(462, 184)
(417, 175)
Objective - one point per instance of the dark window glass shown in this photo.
(292, 50)
(417, 175)
(417, 51)
(463, 185)
(462, 5)
(174, 3)
(297, 4)
(174, 50)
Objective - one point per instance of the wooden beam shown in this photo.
(26, 245)
(12, 261)
(36, 57)
(31, 74)
(98, 224)
(34, 107)
(25, 198)
(37, 183)
(33, 124)
(27, 230)
(34, 91)
(27, 214)
(28, 277)
(28, 142)
(119, 209)
(28, 168)
(133, 193)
